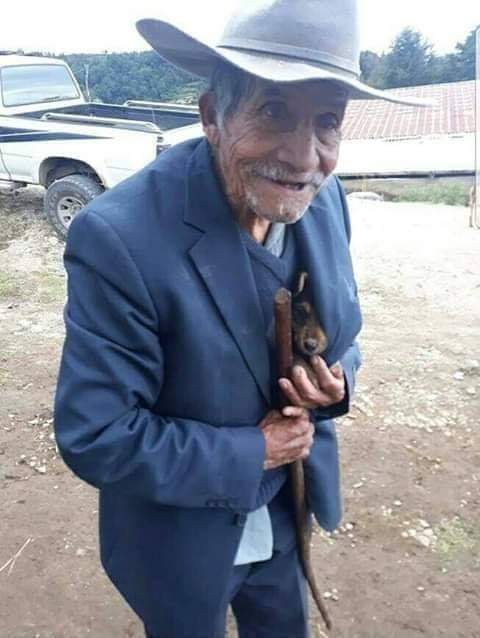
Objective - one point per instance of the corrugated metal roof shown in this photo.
(453, 113)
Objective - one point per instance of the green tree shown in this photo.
(117, 77)
(464, 59)
(369, 63)
(409, 60)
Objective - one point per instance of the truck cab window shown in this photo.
(36, 84)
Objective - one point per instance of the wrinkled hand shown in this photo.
(288, 436)
(302, 393)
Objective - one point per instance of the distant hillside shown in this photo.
(116, 77)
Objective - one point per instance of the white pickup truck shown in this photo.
(50, 135)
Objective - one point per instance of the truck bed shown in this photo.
(163, 117)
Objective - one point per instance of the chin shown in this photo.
(280, 212)
(275, 203)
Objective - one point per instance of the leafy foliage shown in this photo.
(117, 77)
(411, 61)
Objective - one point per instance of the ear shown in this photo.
(208, 116)
(302, 280)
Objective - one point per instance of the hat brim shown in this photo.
(189, 54)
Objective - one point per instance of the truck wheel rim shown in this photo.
(67, 208)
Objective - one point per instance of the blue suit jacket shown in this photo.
(165, 376)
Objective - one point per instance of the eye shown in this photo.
(327, 121)
(301, 312)
(275, 111)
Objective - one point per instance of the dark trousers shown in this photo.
(269, 600)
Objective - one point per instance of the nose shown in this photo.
(311, 345)
(300, 149)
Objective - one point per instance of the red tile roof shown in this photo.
(454, 112)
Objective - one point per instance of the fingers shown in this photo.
(302, 437)
(295, 411)
(337, 370)
(295, 455)
(300, 391)
(291, 392)
(330, 380)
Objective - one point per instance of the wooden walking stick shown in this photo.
(284, 355)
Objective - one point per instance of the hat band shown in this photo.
(347, 66)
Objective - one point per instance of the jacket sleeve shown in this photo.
(110, 376)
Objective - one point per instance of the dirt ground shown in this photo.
(406, 561)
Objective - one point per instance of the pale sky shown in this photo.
(93, 26)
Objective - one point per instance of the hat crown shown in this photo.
(322, 31)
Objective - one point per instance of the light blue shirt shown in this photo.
(256, 543)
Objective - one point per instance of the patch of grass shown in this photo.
(40, 287)
(51, 288)
(450, 194)
(454, 539)
(10, 287)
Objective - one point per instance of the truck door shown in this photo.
(4, 174)
(27, 87)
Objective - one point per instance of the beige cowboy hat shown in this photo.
(278, 40)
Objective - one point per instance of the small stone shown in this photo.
(357, 485)
(41, 469)
(80, 552)
(424, 523)
(471, 391)
(472, 366)
(420, 588)
(397, 503)
(459, 376)
(327, 594)
(423, 540)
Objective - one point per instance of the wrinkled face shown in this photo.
(276, 150)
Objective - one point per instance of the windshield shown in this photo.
(37, 83)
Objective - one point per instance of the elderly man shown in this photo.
(166, 394)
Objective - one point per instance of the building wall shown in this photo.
(403, 157)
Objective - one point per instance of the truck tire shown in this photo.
(65, 197)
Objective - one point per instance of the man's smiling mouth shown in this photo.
(293, 186)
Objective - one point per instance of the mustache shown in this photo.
(280, 171)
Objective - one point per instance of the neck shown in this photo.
(255, 226)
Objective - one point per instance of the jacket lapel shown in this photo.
(324, 254)
(224, 266)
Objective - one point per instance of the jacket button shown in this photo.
(240, 520)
